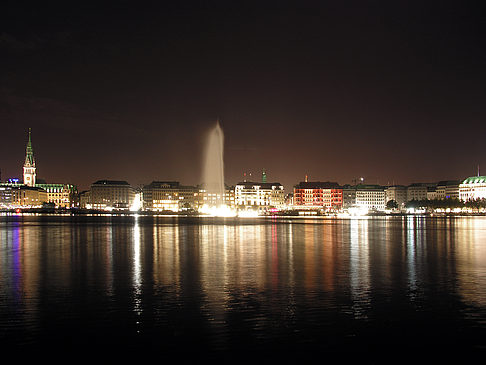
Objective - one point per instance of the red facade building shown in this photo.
(318, 194)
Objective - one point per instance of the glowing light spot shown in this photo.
(218, 211)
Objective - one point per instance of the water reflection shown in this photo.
(470, 254)
(359, 267)
(166, 256)
(224, 280)
(137, 272)
(411, 247)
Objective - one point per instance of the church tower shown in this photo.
(264, 176)
(29, 165)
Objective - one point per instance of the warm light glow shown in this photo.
(248, 213)
(137, 203)
(357, 211)
(218, 211)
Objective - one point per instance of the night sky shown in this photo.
(392, 91)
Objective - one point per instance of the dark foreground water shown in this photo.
(382, 289)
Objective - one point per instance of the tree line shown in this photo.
(451, 203)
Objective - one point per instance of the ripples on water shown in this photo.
(279, 287)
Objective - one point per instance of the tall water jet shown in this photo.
(213, 163)
(213, 173)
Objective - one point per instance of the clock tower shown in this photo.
(29, 165)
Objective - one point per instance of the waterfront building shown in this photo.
(29, 196)
(259, 196)
(417, 191)
(212, 199)
(29, 164)
(6, 196)
(317, 194)
(448, 189)
(431, 192)
(205, 198)
(7, 193)
(111, 194)
(61, 195)
(349, 196)
(473, 188)
(168, 195)
(289, 200)
(370, 197)
(85, 199)
(398, 193)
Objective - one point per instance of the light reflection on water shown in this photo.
(228, 284)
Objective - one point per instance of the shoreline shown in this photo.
(91, 212)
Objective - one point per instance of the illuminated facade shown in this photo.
(371, 197)
(111, 194)
(211, 199)
(447, 190)
(365, 197)
(349, 196)
(61, 195)
(419, 191)
(431, 192)
(6, 196)
(29, 196)
(259, 196)
(168, 195)
(473, 188)
(398, 193)
(29, 164)
(319, 195)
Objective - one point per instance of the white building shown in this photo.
(259, 196)
(371, 197)
(473, 188)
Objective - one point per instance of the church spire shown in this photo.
(29, 165)
(29, 152)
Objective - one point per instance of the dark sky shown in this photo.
(394, 91)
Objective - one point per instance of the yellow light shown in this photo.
(218, 211)
(136, 204)
(248, 213)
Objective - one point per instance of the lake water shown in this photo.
(377, 288)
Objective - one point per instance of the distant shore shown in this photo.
(290, 214)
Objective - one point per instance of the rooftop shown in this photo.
(475, 180)
(110, 182)
(250, 184)
(317, 185)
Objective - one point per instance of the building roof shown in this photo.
(163, 184)
(262, 185)
(364, 187)
(32, 188)
(317, 185)
(418, 185)
(475, 180)
(110, 182)
(448, 182)
(370, 187)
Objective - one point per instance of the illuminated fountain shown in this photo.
(213, 175)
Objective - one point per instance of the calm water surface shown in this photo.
(369, 288)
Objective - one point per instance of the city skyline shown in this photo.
(389, 92)
(260, 176)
